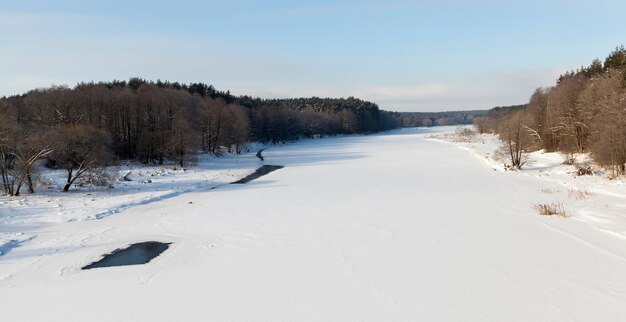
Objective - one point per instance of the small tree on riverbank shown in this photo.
(79, 149)
(19, 150)
(517, 141)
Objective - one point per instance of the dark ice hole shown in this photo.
(259, 173)
(260, 155)
(135, 254)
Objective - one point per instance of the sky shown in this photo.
(422, 55)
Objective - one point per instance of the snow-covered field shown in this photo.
(401, 226)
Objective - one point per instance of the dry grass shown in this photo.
(553, 209)
(463, 131)
(580, 194)
(464, 135)
(549, 191)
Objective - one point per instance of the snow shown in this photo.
(401, 226)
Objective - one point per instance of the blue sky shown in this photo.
(403, 55)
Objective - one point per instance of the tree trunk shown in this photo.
(69, 180)
(31, 186)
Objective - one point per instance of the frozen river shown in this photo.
(389, 227)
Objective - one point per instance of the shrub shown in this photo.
(553, 209)
(579, 194)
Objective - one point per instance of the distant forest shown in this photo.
(91, 125)
(427, 119)
(584, 112)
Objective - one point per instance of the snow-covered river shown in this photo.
(389, 227)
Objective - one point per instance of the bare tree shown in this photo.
(78, 149)
(536, 110)
(18, 153)
(213, 124)
(236, 128)
(569, 128)
(607, 105)
(9, 132)
(181, 140)
(517, 140)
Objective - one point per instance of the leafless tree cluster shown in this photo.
(584, 112)
(86, 127)
(19, 150)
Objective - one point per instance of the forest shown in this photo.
(91, 125)
(585, 112)
(427, 119)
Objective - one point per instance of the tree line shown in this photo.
(91, 125)
(584, 112)
(427, 119)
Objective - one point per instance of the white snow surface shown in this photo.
(407, 225)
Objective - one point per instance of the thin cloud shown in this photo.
(65, 48)
(26, 21)
(352, 7)
(404, 92)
